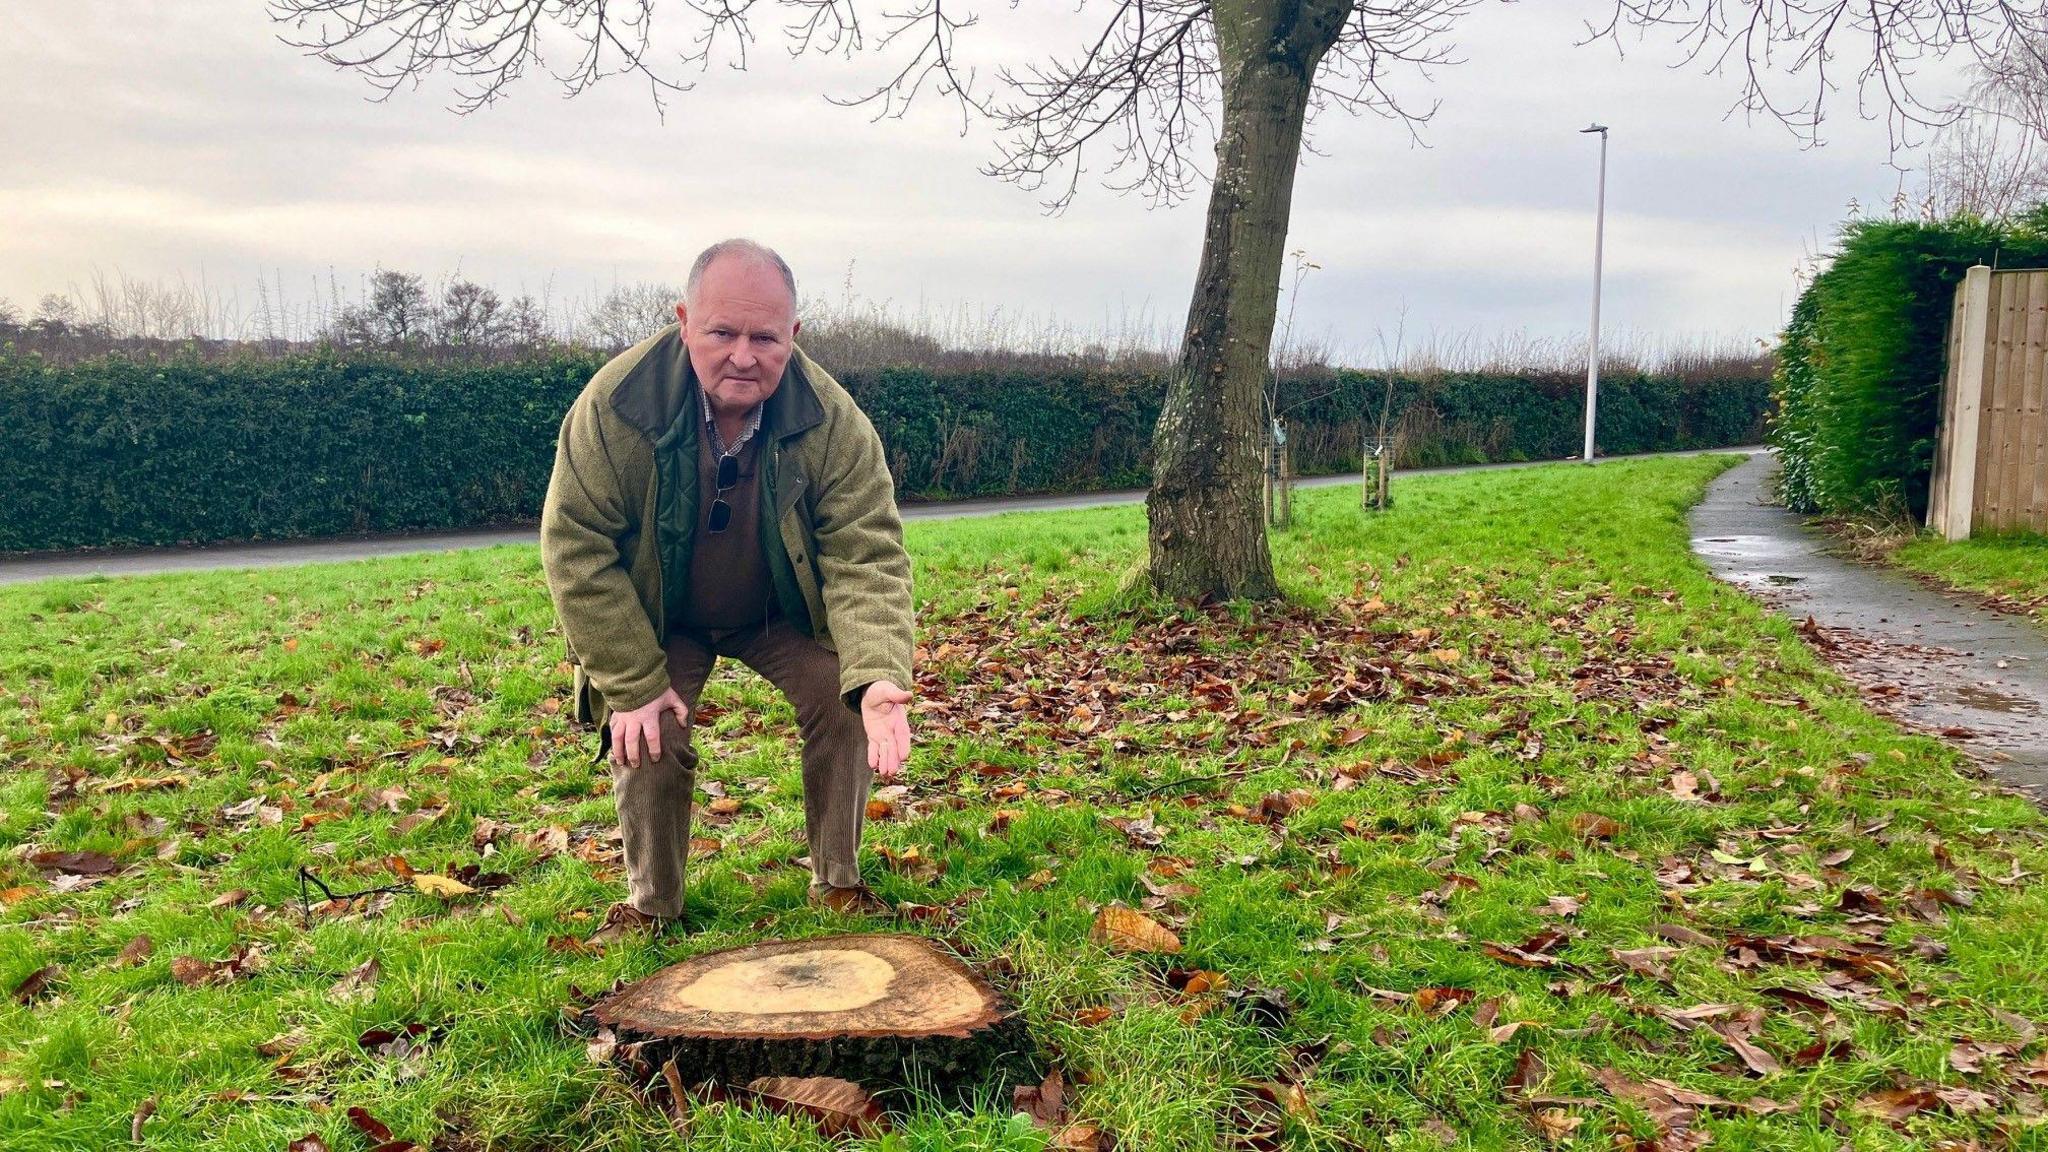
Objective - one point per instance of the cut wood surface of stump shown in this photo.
(880, 1010)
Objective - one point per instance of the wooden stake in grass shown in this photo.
(879, 1010)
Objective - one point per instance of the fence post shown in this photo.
(1965, 408)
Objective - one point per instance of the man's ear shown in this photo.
(795, 326)
(682, 313)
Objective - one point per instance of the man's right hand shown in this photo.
(629, 729)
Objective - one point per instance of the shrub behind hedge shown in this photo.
(117, 450)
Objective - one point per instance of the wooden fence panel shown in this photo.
(2010, 467)
(1991, 458)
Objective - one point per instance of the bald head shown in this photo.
(738, 255)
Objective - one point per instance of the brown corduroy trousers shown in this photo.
(654, 799)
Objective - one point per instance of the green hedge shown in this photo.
(1859, 366)
(118, 450)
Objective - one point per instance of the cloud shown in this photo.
(166, 140)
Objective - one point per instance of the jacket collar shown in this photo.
(661, 387)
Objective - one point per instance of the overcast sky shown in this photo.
(184, 139)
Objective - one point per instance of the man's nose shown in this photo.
(743, 357)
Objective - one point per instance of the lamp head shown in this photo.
(1600, 128)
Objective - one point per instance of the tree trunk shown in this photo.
(1207, 534)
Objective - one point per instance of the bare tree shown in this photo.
(1985, 166)
(630, 313)
(1992, 162)
(1157, 81)
(2014, 86)
(469, 316)
(398, 312)
(56, 312)
(526, 323)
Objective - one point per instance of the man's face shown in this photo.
(739, 331)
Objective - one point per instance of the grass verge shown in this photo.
(1542, 838)
(2010, 571)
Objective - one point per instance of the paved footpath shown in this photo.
(1937, 660)
(142, 561)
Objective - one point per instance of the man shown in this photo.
(716, 493)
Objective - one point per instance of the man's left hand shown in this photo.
(885, 713)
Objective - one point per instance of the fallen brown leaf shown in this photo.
(1680, 934)
(358, 984)
(75, 863)
(1128, 930)
(442, 886)
(367, 1124)
(35, 983)
(1758, 1061)
(135, 952)
(191, 971)
(1045, 1102)
(1594, 826)
(838, 1107)
(1653, 962)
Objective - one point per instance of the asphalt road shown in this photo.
(20, 569)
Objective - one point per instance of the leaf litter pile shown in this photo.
(1509, 854)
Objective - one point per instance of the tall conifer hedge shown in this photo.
(1859, 366)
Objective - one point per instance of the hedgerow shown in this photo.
(122, 449)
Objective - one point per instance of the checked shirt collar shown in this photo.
(746, 434)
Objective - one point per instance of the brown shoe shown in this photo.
(622, 920)
(860, 901)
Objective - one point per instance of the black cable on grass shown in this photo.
(306, 903)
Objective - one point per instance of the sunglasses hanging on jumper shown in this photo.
(721, 511)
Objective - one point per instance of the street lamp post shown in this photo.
(1593, 343)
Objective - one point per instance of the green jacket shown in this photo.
(619, 524)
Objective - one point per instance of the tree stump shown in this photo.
(880, 1010)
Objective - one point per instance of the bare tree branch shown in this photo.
(1769, 42)
(486, 45)
(929, 30)
(1135, 104)
(1380, 40)
(1142, 87)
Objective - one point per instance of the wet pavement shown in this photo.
(1937, 661)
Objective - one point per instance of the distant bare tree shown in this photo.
(398, 312)
(2015, 86)
(630, 313)
(56, 314)
(526, 323)
(1150, 87)
(1992, 162)
(1985, 166)
(469, 316)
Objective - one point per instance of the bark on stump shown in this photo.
(880, 1010)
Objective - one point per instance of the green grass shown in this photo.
(1577, 659)
(2011, 569)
